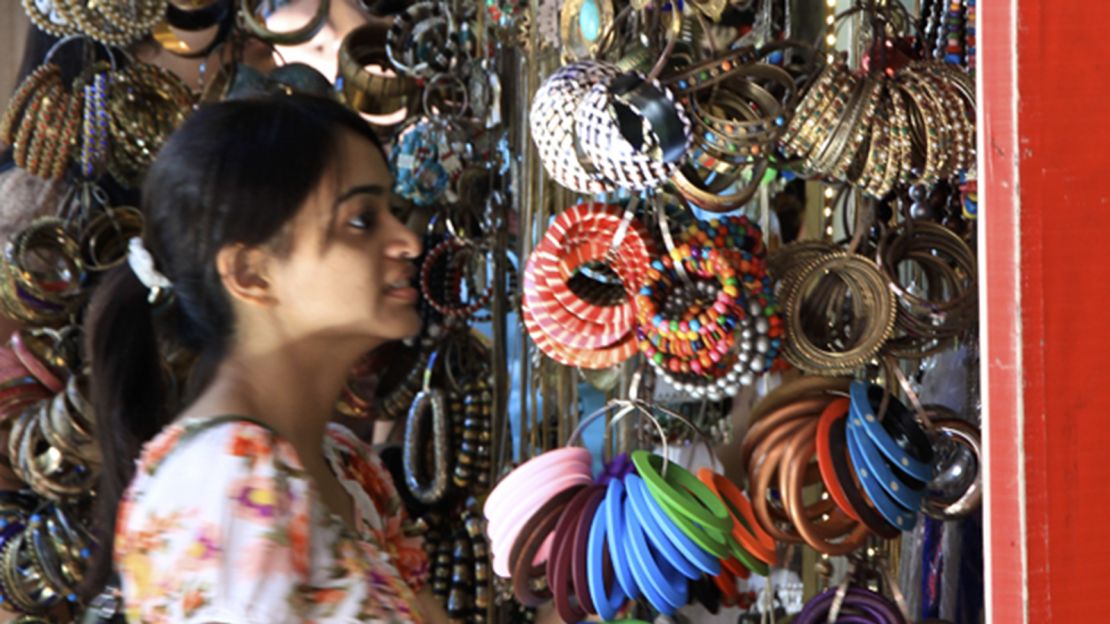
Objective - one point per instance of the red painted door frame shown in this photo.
(1044, 243)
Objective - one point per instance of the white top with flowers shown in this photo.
(222, 524)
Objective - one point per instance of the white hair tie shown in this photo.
(142, 264)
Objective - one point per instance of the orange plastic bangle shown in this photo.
(745, 528)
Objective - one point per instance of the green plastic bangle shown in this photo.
(694, 508)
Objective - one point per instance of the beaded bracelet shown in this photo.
(450, 251)
(46, 17)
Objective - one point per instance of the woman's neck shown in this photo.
(292, 387)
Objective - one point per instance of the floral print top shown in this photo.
(222, 524)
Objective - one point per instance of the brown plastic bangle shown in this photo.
(818, 535)
(559, 576)
(528, 542)
(580, 554)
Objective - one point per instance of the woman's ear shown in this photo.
(244, 273)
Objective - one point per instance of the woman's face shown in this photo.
(348, 271)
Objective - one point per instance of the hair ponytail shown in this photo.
(128, 397)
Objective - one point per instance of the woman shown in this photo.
(271, 253)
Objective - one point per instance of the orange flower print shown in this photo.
(299, 542)
(251, 442)
(191, 601)
(328, 595)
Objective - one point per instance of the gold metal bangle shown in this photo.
(298, 36)
(365, 91)
(869, 293)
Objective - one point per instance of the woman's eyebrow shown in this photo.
(364, 189)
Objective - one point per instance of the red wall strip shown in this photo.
(1001, 338)
(1057, 187)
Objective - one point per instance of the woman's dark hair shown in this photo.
(234, 172)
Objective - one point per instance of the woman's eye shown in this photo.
(364, 220)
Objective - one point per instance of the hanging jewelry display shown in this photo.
(620, 158)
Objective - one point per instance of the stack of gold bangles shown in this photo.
(44, 554)
(114, 119)
(842, 309)
(53, 448)
(43, 277)
(740, 104)
(876, 131)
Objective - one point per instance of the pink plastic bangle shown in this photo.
(524, 477)
(504, 534)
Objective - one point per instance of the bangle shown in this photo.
(33, 363)
(289, 38)
(680, 494)
(450, 250)
(818, 535)
(505, 528)
(560, 568)
(364, 91)
(845, 477)
(581, 235)
(679, 550)
(43, 137)
(878, 609)
(649, 155)
(404, 43)
(535, 470)
(416, 444)
(869, 289)
(910, 450)
(664, 587)
(527, 546)
(876, 492)
(47, 18)
(23, 96)
(615, 529)
(580, 555)
(943, 508)
(905, 491)
(754, 540)
(217, 13)
(711, 72)
(104, 240)
(607, 602)
(552, 124)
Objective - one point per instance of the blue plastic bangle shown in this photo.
(861, 407)
(606, 603)
(678, 549)
(900, 518)
(665, 587)
(894, 485)
(614, 529)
